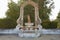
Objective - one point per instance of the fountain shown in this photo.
(29, 30)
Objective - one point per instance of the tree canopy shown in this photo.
(58, 20)
(44, 11)
(14, 11)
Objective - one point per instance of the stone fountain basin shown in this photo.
(29, 34)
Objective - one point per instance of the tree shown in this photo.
(13, 11)
(44, 11)
(12, 15)
(58, 20)
(7, 23)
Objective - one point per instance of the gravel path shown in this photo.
(43, 37)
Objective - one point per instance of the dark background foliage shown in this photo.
(14, 11)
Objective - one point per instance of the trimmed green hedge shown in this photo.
(7, 23)
(10, 23)
(49, 25)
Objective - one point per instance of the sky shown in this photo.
(4, 8)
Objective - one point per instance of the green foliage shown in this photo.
(58, 20)
(29, 10)
(7, 23)
(44, 11)
(14, 11)
(58, 25)
(49, 25)
(53, 25)
(12, 15)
